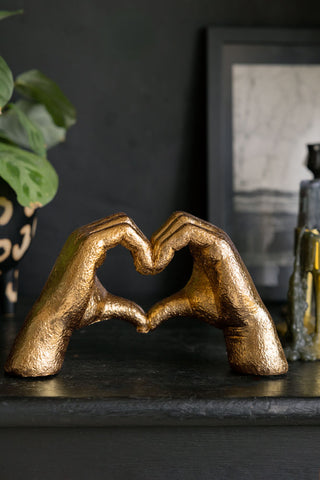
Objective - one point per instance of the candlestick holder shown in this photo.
(303, 335)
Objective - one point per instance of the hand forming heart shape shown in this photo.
(219, 291)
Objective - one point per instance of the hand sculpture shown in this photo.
(219, 291)
(74, 298)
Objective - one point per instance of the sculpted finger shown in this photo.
(72, 277)
(109, 222)
(118, 229)
(140, 247)
(102, 222)
(117, 307)
(178, 219)
(188, 230)
(186, 234)
(104, 306)
(176, 233)
(166, 226)
(177, 305)
(82, 252)
(168, 239)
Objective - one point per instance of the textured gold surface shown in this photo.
(304, 298)
(220, 291)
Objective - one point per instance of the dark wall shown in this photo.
(135, 70)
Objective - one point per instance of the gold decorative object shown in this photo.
(304, 298)
(303, 320)
(220, 291)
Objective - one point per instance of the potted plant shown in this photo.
(35, 121)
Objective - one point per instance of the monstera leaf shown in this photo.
(6, 83)
(32, 177)
(11, 128)
(36, 86)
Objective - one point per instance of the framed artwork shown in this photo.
(263, 108)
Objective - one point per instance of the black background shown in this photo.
(135, 70)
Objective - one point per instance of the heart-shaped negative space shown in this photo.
(219, 291)
(119, 276)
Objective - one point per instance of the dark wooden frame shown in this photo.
(227, 46)
(305, 48)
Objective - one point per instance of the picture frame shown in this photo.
(252, 52)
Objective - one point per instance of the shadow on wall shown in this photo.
(192, 167)
(194, 152)
(193, 163)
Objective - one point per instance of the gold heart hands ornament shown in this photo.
(219, 291)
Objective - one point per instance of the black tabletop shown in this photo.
(178, 374)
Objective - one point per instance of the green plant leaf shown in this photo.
(35, 137)
(32, 177)
(6, 13)
(36, 86)
(11, 128)
(4, 138)
(6, 83)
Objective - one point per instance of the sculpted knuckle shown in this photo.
(76, 235)
(175, 215)
(183, 220)
(127, 228)
(188, 228)
(128, 224)
(126, 219)
(184, 217)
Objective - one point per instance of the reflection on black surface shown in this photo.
(183, 359)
